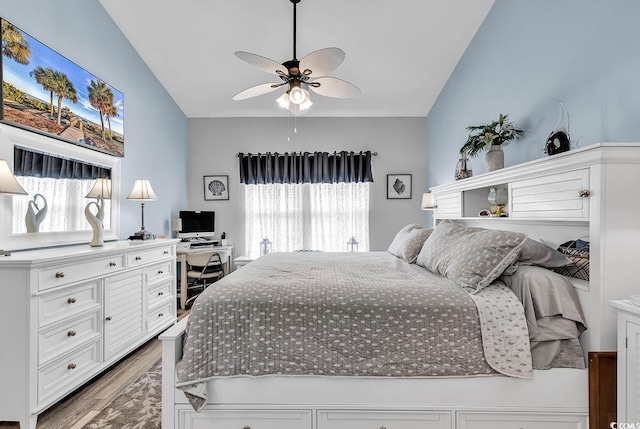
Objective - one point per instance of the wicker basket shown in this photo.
(578, 252)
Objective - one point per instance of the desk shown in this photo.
(226, 254)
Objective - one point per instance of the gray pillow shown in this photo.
(471, 257)
(414, 242)
(536, 253)
(397, 245)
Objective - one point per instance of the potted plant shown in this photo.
(493, 137)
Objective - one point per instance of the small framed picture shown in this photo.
(398, 186)
(216, 188)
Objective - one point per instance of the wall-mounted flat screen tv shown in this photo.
(44, 92)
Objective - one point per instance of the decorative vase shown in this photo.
(35, 214)
(463, 169)
(96, 224)
(494, 158)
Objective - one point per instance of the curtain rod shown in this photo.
(292, 153)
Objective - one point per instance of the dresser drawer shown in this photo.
(65, 374)
(561, 195)
(364, 419)
(520, 421)
(160, 271)
(161, 315)
(209, 418)
(136, 259)
(60, 275)
(62, 338)
(159, 293)
(68, 302)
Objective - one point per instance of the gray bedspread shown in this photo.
(349, 314)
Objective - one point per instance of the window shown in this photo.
(318, 216)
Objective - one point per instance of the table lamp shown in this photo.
(142, 192)
(8, 186)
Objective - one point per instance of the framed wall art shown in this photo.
(45, 93)
(216, 188)
(398, 186)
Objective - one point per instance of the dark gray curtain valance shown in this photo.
(27, 162)
(305, 167)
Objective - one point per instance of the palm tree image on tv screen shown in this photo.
(44, 92)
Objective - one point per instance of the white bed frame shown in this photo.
(553, 399)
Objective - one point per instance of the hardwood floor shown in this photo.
(79, 408)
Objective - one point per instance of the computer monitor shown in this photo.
(197, 224)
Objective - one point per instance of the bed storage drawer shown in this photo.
(365, 419)
(479, 420)
(240, 419)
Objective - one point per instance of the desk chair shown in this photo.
(203, 268)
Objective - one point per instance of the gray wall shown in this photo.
(155, 128)
(526, 56)
(214, 143)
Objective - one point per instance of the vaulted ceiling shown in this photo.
(400, 54)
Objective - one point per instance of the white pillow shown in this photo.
(397, 245)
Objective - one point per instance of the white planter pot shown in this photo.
(494, 158)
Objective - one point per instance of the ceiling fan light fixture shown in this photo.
(283, 100)
(297, 95)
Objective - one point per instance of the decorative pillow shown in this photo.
(414, 242)
(536, 253)
(396, 246)
(471, 257)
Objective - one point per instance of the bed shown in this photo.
(425, 335)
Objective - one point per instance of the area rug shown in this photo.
(137, 407)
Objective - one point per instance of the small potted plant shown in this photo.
(493, 137)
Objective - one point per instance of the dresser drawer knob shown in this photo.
(160, 271)
(161, 314)
(71, 366)
(160, 293)
(246, 427)
(383, 427)
(108, 318)
(71, 334)
(71, 301)
(112, 264)
(584, 193)
(138, 258)
(166, 252)
(59, 274)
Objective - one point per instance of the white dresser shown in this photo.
(68, 313)
(628, 361)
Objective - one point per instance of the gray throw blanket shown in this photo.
(349, 314)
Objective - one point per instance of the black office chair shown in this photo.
(203, 268)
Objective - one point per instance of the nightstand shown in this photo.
(241, 261)
(628, 360)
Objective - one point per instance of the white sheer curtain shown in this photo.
(65, 204)
(306, 216)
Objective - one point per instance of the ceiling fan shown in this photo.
(300, 76)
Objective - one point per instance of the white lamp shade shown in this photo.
(176, 224)
(427, 201)
(142, 191)
(8, 183)
(101, 188)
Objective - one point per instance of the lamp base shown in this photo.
(142, 235)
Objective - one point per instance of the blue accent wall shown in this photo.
(154, 126)
(526, 56)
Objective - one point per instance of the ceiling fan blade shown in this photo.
(322, 61)
(333, 87)
(263, 63)
(254, 91)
